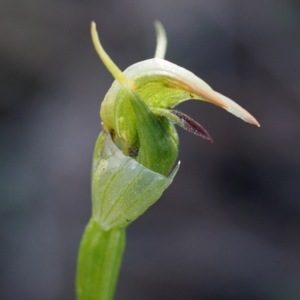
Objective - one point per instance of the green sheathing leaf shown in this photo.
(122, 188)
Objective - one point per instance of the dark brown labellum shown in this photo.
(191, 125)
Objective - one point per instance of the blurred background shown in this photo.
(228, 228)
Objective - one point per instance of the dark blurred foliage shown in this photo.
(228, 228)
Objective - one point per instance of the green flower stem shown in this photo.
(99, 261)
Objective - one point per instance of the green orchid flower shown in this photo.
(134, 155)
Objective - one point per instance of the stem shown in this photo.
(99, 261)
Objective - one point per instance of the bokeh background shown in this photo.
(229, 226)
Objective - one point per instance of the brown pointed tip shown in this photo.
(237, 110)
(256, 123)
(248, 118)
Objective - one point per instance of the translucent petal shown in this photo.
(122, 189)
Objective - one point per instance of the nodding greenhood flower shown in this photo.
(134, 154)
(138, 109)
(138, 117)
